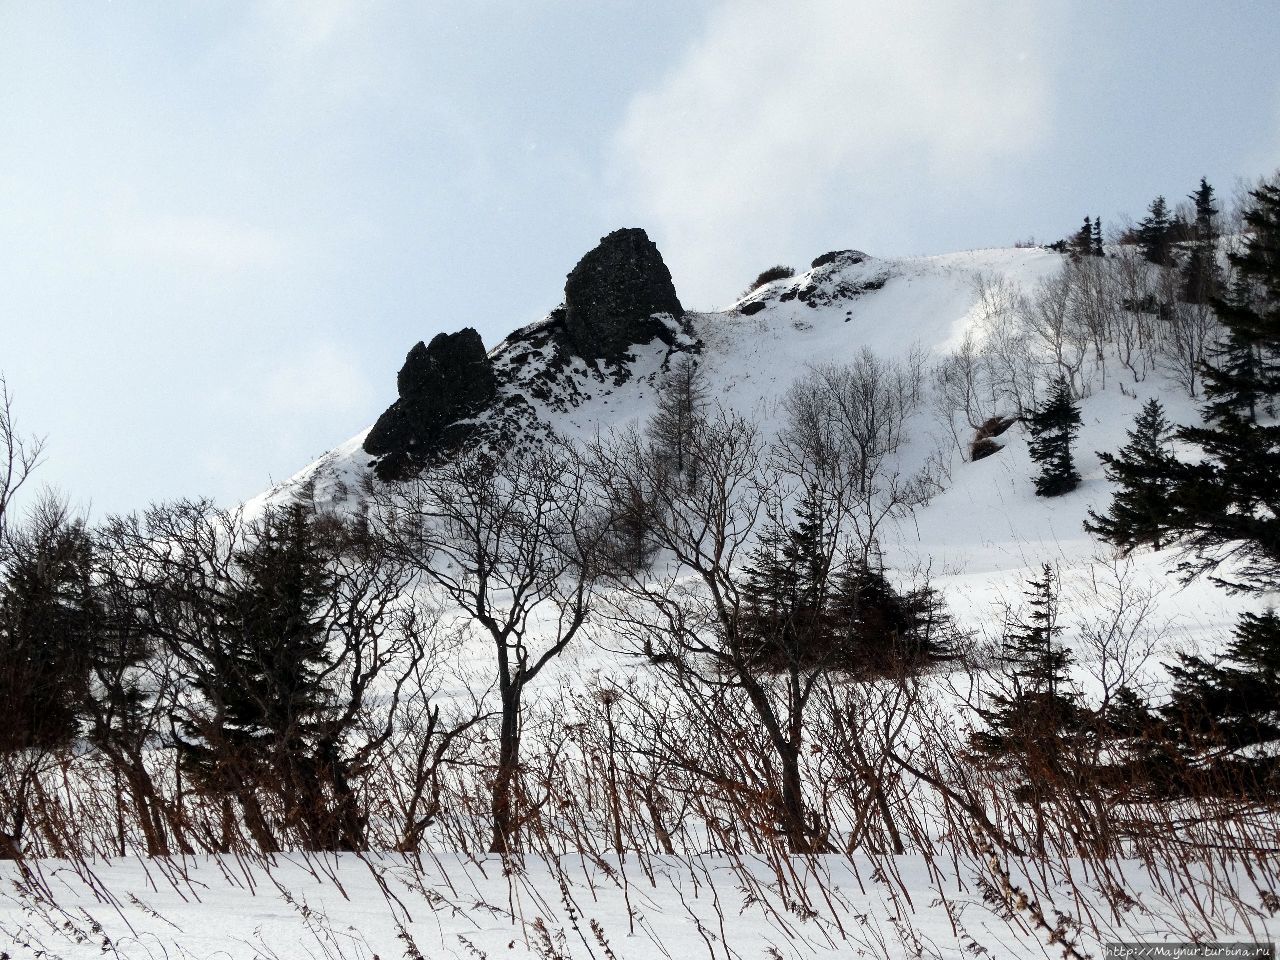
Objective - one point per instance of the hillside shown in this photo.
(979, 538)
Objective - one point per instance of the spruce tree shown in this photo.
(1142, 472)
(1095, 245)
(266, 671)
(1081, 242)
(1153, 233)
(785, 593)
(49, 613)
(1201, 276)
(882, 632)
(1036, 714)
(1053, 429)
(1230, 499)
(1220, 709)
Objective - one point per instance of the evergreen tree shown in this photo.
(1053, 428)
(1218, 709)
(1252, 311)
(1153, 233)
(1202, 277)
(1095, 245)
(1230, 499)
(1142, 472)
(1081, 242)
(1036, 715)
(784, 593)
(48, 616)
(882, 632)
(266, 672)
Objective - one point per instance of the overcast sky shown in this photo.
(223, 225)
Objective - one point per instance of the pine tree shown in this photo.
(1230, 499)
(266, 674)
(1095, 240)
(48, 616)
(1153, 233)
(1037, 714)
(1142, 472)
(1201, 276)
(1081, 242)
(1218, 709)
(1053, 428)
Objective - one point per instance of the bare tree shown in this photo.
(510, 540)
(1010, 358)
(845, 425)
(1048, 316)
(682, 402)
(19, 457)
(1188, 331)
(690, 618)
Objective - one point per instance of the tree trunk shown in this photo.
(501, 803)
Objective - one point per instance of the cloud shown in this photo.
(775, 119)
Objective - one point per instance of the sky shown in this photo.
(223, 225)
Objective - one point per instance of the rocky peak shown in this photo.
(449, 380)
(613, 293)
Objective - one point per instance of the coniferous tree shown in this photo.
(1053, 429)
(1153, 233)
(1202, 277)
(48, 616)
(785, 593)
(1095, 244)
(265, 671)
(1219, 709)
(1142, 472)
(1230, 499)
(883, 632)
(1081, 242)
(1036, 716)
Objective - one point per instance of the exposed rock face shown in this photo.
(444, 382)
(613, 293)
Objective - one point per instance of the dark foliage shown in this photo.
(1143, 473)
(779, 272)
(1053, 429)
(48, 617)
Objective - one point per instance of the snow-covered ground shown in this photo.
(447, 906)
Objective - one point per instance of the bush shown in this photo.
(779, 272)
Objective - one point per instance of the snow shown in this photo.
(382, 906)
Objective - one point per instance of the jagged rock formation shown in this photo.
(440, 385)
(619, 294)
(613, 293)
(834, 277)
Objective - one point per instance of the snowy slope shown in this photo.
(983, 536)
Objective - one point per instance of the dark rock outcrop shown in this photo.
(842, 257)
(440, 384)
(611, 296)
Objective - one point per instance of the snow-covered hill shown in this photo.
(979, 539)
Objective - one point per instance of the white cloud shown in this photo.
(781, 113)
